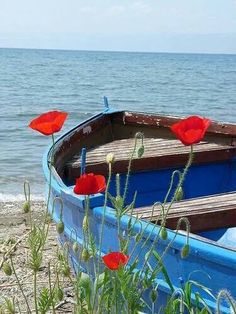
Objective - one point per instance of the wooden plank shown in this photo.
(100, 155)
(122, 149)
(125, 118)
(153, 148)
(187, 205)
(183, 213)
(203, 213)
(184, 205)
(208, 221)
(150, 163)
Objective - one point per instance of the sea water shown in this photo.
(36, 81)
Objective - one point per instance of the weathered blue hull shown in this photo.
(210, 263)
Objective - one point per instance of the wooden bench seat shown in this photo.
(203, 213)
(159, 153)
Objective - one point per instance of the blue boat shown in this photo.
(209, 194)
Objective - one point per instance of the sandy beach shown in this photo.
(14, 224)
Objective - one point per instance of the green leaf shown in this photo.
(44, 300)
(164, 271)
(9, 306)
(207, 290)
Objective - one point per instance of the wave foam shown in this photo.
(20, 197)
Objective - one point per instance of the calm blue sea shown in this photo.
(35, 81)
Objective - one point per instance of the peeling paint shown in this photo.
(87, 129)
(128, 114)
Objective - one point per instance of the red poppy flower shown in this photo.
(90, 183)
(49, 122)
(115, 259)
(191, 130)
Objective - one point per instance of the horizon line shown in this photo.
(120, 51)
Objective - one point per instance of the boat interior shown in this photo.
(209, 191)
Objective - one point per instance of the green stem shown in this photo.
(102, 229)
(171, 185)
(153, 308)
(51, 164)
(27, 199)
(224, 294)
(87, 206)
(115, 296)
(182, 219)
(20, 286)
(142, 231)
(181, 180)
(45, 224)
(129, 169)
(104, 211)
(50, 288)
(86, 231)
(35, 292)
(189, 162)
(119, 235)
(117, 185)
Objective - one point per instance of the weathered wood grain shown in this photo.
(203, 213)
(159, 153)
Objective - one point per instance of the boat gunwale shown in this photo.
(216, 127)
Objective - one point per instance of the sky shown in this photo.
(207, 26)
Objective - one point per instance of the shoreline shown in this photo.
(16, 206)
(20, 198)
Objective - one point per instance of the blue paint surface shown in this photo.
(201, 180)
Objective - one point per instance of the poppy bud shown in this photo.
(59, 294)
(26, 207)
(140, 151)
(85, 223)
(185, 251)
(110, 158)
(7, 269)
(163, 233)
(60, 227)
(85, 255)
(75, 247)
(153, 295)
(179, 194)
